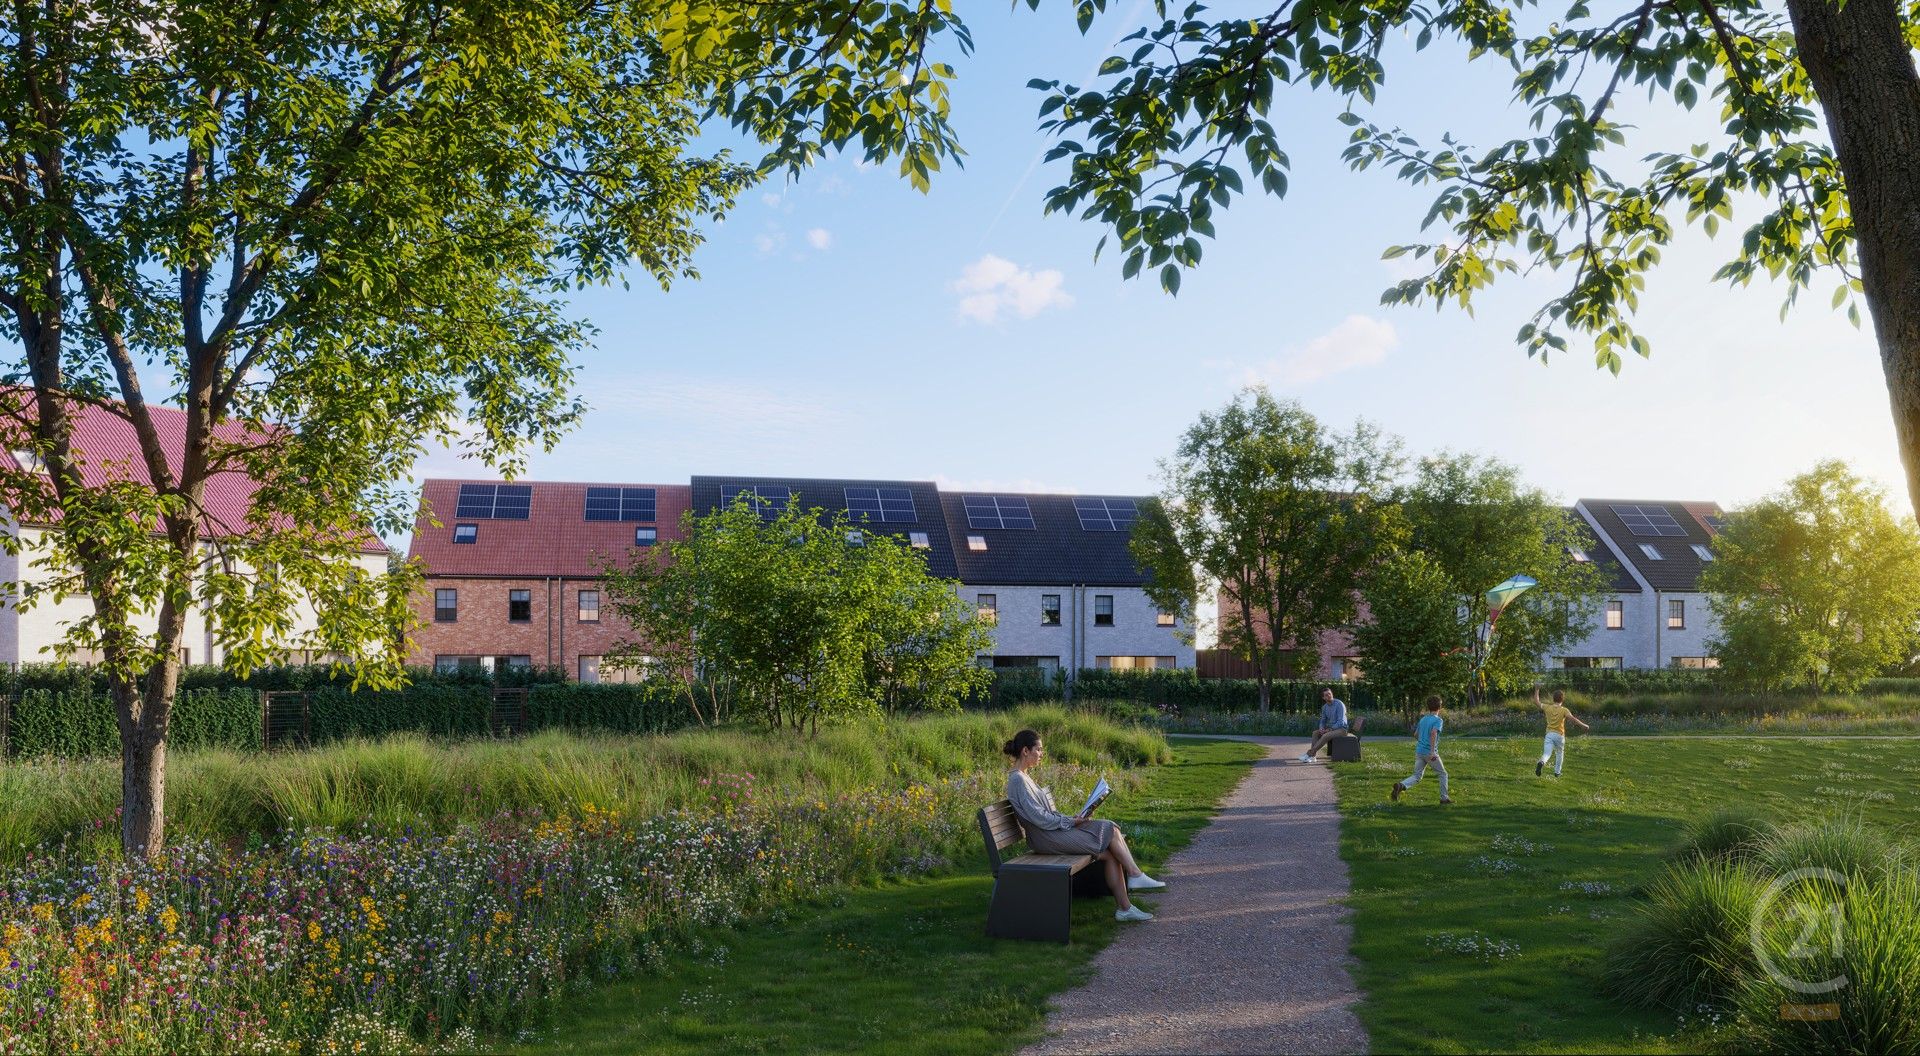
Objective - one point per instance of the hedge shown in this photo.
(78, 722)
(1182, 689)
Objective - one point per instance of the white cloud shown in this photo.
(1359, 341)
(992, 285)
(769, 241)
(772, 200)
(819, 237)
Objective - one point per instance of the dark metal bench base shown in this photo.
(1033, 895)
(1344, 749)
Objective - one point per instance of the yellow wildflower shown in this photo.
(169, 919)
(501, 916)
(141, 900)
(82, 901)
(43, 912)
(313, 931)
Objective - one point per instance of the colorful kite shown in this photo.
(1497, 601)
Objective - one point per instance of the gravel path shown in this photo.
(1249, 954)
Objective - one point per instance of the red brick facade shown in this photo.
(553, 635)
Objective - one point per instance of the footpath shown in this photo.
(1249, 953)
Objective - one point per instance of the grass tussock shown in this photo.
(407, 780)
(1734, 833)
(1689, 945)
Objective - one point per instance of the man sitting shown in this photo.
(1333, 723)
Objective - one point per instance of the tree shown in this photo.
(1818, 104)
(1410, 642)
(801, 615)
(1478, 524)
(1817, 586)
(1280, 515)
(333, 233)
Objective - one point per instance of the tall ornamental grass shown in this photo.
(407, 780)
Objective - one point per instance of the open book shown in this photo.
(1100, 791)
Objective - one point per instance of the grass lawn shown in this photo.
(901, 968)
(1481, 926)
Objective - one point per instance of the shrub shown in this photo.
(1877, 952)
(1845, 845)
(1689, 946)
(1734, 833)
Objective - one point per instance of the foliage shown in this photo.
(1735, 832)
(1280, 514)
(1817, 586)
(46, 722)
(1413, 630)
(1688, 946)
(337, 234)
(801, 615)
(1479, 523)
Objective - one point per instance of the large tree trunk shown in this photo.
(143, 791)
(1859, 60)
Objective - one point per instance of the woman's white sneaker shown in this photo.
(1143, 882)
(1132, 913)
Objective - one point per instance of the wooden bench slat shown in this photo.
(1074, 862)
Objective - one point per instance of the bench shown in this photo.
(1033, 893)
(1346, 749)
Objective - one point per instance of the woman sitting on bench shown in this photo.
(1051, 832)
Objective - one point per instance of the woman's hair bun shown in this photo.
(1022, 741)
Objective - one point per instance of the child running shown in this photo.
(1426, 751)
(1557, 718)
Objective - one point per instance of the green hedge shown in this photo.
(85, 679)
(81, 723)
(1183, 690)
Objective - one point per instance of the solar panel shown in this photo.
(882, 504)
(1649, 520)
(505, 502)
(767, 500)
(1106, 515)
(997, 511)
(1716, 522)
(621, 504)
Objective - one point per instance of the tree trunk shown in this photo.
(143, 795)
(1266, 691)
(1857, 57)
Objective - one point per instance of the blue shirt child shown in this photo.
(1429, 724)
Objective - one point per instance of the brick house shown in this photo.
(513, 571)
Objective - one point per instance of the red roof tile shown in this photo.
(106, 448)
(556, 539)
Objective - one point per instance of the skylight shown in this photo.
(1702, 552)
(1652, 552)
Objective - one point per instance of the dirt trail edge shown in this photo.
(1250, 951)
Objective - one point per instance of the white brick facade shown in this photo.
(1079, 640)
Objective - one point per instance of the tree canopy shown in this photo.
(799, 617)
(1816, 586)
(1817, 103)
(1280, 514)
(335, 233)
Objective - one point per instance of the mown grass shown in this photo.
(903, 968)
(1482, 926)
(409, 780)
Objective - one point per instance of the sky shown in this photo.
(846, 325)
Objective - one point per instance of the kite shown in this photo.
(1498, 599)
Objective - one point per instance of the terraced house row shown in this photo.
(513, 571)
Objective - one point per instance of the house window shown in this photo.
(589, 606)
(988, 606)
(855, 537)
(1579, 556)
(1103, 610)
(1049, 610)
(512, 663)
(1616, 615)
(1133, 663)
(1696, 663)
(446, 605)
(1164, 619)
(977, 543)
(519, 606)
(446, 665)
(1676, 614)
(1700, 551)
(919, 541)
(1653, 552)
(1585, 663)
(466, 533)
(645, 536)
(593, 670)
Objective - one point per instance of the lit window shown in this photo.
(988, 606)
(1049, 610)
(1164, 619)
(466, 533)
(977, 543)
(919, 541)
(1696, 663)
(1103, 610)
(446, 605)
(589, 606)
(1676, 614)
(1616, 615)
(519, 606)
(645, 536)
(1700, 551)
(1653, 553)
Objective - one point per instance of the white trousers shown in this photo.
(1423, 760)
(1555, 750)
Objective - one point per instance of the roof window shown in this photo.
(1700, 551)
(1653, 552)
(466, 533)
(919, 541)
(645, 536)
(1579, 556)
(977, 543)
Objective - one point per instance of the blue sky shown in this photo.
(846, 325)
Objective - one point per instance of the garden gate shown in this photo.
(508, 716)
(285, 718)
